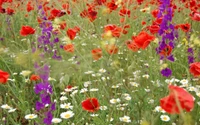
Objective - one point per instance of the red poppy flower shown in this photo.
(10, 11)
(63, 25)
(96, 53)
(115, 30)
(71, 32)
(131, 45)
(155, 13)
(166, 51)
(112, 49)
(29, 7)
(177, 100)
(34, 77)
(124, 12)
(154, 29)
(143, 39)
(3, 77)
(196, 16)
(90, 104)
(111, 5)
(26, 30)
(69, 48)
(184, 27)
(195, 69)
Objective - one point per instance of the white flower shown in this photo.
(165, 118)
(134, 84)
(63, 98)
(67, 115)
(125, 119)
(84, 90)
(66, 106)
(128, 98)
(102, 70)
(114, 101)
(11, 110)
(89, 72)
(31, 116)
(56, 120)
(51, 79)
(94, 115)
(198, 94)
(184, 81)
(159, 109)
(94, 90)
(115, 86)
(103, 107)
(146, 76)
(6, 106)
(86, 84)
(25, 73)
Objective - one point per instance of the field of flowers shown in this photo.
(100, 62)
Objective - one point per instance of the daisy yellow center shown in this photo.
(165, 118)
(67, 116)
(114, 100)
(125, 119)
(66, 106)
(31, 116)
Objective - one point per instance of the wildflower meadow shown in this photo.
(100, 62)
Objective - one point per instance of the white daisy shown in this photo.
(67, 115)
(63, 98)
(159, 109)
(12, 110)
(125, 119)
(165, 118)
(66, 106)
(25, 73)
(56, 120)
(6, 106)
(103, 107)
(114, 101)
(30, 116)
(102, 70)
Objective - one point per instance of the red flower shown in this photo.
(29, 7)
(154, 29)
(177, 100)
(195, 69)
(26, 30)
(155, 13)
(10, 11)
(115, 30)
(34, 77)
(90, 104)
(143, 39)
(3, 77)
(71, 32)
(124, 12)
(184, 27)
(112, 49)
(166, 51)
(96, 53)
(196, 16)
(69, 48)
(132, 46)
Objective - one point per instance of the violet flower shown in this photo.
(166, 72)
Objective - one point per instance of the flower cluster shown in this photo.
(167, 32)
(45, 90)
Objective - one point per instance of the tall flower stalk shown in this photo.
(167, 33)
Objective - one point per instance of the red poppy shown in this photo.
(71, 32)
(155, 13)
(184, 27)
(34, 77)
(115, 30)
(111, 5)
(154, 29)
(29, 7)
(124, 12)
(63, 25)
(10, 11)
(3, 77)
(96, 53)
(177, 100)
(26, 30)
(112, 49)
(69, 48)
(131, 45)
(143, 39)
(90, 104)
(166, 51)
(196, 16)
(195, 69)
